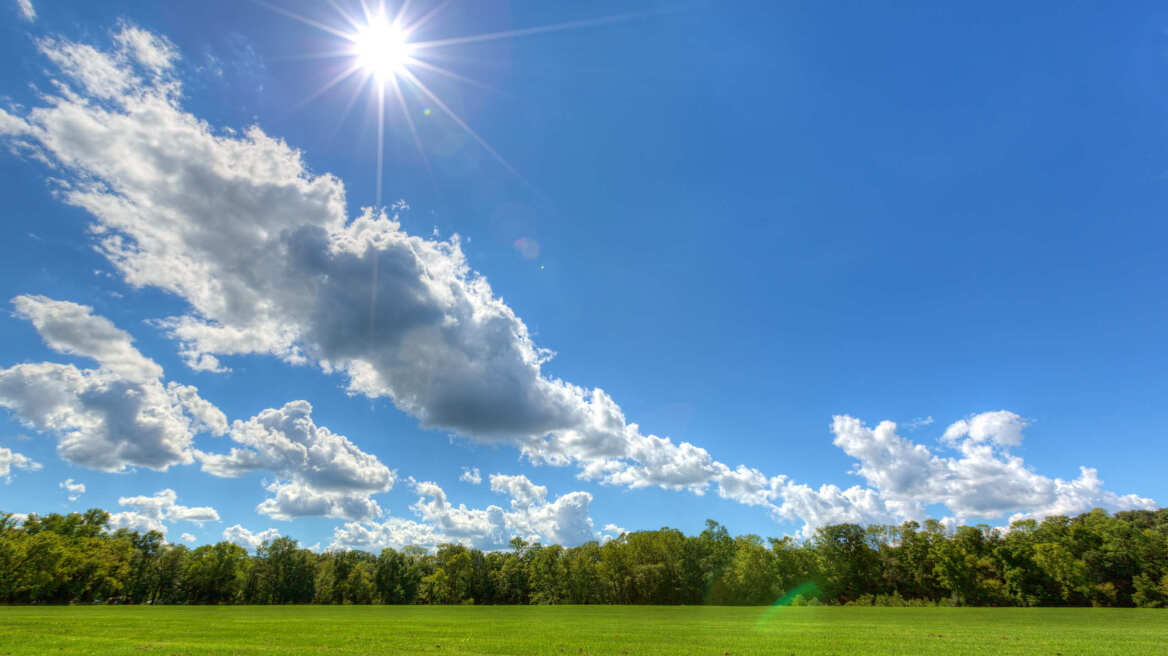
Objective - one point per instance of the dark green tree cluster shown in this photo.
(1091, 559)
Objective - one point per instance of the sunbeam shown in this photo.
(378, 41)
(529, 31)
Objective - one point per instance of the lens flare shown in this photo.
(793, 597)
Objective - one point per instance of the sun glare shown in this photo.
(379, 51)
(381, 48)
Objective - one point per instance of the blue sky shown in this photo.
(747, 235)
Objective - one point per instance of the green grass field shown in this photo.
(376, 630)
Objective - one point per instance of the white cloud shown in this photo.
(324, 473)
(565, 520)
(27, 11)
(151, 511)
(187, 537)
(523, 493)
(10, 460)
(149, 50)
(74, 329)
(471, 476)
(483, 528)
(919, 422)
(611, 532)
(291, 500)
(135, 521)
(830, 504)
(116, 416)
(982, 481)
(248, 540)
(394, 532)
(1001, 427)
(1082, 494)
(74, 488)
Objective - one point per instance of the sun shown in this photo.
(381, 48)
(386, 55)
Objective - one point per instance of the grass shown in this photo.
(555, 630)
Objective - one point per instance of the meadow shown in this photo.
(552, 630)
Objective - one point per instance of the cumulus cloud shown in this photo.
(611, 532)
(188, 538)
(1001, 427)
(269, 261)
(116, 416)
(74, 489)
(565, 520)
(471, 476)
(149, 512)
(322, 473)
(290, 500)
(394, 532)
(122, 414)
(74, 329)
(10, 460)
(522, 491)
(27, 11)
(248, 540)
(829, 504)
(982, 480)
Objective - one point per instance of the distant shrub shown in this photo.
(802, 600)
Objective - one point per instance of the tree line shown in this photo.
(1092, 559)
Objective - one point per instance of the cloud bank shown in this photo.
(564, 520)
(983, 480)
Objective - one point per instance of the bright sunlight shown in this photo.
(381, 48)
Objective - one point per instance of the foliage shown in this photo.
(1094, 559)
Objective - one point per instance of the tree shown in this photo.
(1094, 558)
(752, 577)
(549, 576)
(847, 564)
(215, 574)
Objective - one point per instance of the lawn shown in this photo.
(376, 630)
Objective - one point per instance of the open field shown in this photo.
(550, 630)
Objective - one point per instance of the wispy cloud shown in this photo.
(919, 422)
(74, 488)
(27, 11)
(10, 460)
